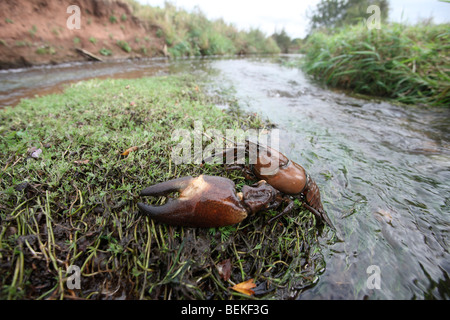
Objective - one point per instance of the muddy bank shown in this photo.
(35, 32)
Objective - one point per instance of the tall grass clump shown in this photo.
(193, 34)
(410, 64)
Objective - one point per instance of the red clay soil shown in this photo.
(35, 32)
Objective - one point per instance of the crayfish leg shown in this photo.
(321, 216)
(286, 210)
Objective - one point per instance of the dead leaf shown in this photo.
(224, 269)
(81, 161)
(126, 152)
(245, 287)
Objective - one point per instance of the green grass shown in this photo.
(410, 64)
(113, 19)
(192, 34)
(33, 31)
(45, 50)
(105, 52)
(76, 203)
(124, 45)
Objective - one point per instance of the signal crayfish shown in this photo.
(211, 201)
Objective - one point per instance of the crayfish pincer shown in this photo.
(208, 201)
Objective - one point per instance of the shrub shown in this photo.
(191, 33)
(124, 45)
(46, 50)
(33, 31)
(24, 43)
(105, 52)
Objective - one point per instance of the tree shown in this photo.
(283, 41)
(336, 13)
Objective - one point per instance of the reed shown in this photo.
(410, 64)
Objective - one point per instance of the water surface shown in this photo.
(384, 173)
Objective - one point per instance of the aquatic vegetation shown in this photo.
(410, 64)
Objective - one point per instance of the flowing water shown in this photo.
(383, 170)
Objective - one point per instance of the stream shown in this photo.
(383, 169)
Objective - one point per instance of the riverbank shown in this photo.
(409, 64)
(37, 33)
(43, 32)
(68, 197)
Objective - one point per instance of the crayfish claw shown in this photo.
(164, 188)
(205, 202)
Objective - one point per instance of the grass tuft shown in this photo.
(410, 64)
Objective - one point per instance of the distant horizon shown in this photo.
(292, 15)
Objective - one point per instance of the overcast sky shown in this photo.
(274, 15)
